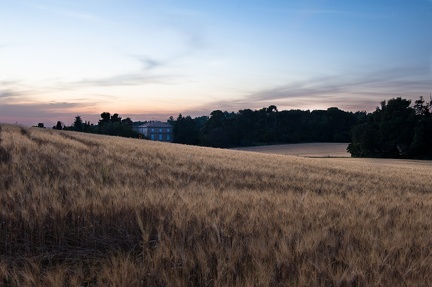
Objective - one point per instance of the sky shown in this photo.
(149, 60)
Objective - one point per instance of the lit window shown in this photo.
(152, 137)
(168, 137)
(160, 130)
(168, 130)
(160, 137)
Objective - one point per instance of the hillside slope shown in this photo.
(88, 210)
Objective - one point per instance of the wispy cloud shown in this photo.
(6, 95)
(25, 105)
(389, 82)
(14, 96)
(149, 63)
(79, 15)
(23, 102)
(68, 12)
(48, 113)
(330, 12)
(192, 26)
(150, 73)
(14, 92)
(346, 92)
(132, 79)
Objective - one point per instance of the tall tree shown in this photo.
(58, 126)
(115, 118)
(106, 118)
(395, 130)
(422, 107)
(214, 133)
(78, 124)
(185, 131)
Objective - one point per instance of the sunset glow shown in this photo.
(153, 59)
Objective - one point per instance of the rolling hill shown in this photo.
(89, 210)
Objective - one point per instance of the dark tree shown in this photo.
(115, 118)
(267, 124)
(78, 124)
(394, 130)
(272, 113)
(185, 131)
(422, 108)
(59, 125)
(214, 132)
(116, 126)
(127, 122)
(171, 120)
(216, 120)
(106, 118)
(247, 127)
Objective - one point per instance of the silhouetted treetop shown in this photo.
(394, 130)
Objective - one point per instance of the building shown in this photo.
(156, 131)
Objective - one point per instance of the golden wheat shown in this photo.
(88, 210)
(305, 149)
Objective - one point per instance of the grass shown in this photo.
(88, 210)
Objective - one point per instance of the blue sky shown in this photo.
(152, 59)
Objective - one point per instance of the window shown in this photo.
(160, 137)
(152, 130)
(160, 130)
(168, 138)
(152, 137)
(168, 130)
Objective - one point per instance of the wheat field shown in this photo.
(304, 150)
(88, 210)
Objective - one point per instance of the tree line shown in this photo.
(396, 129)
(265, 126)
(108, 124)
(244, 128)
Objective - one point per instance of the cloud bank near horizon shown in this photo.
(361, 92)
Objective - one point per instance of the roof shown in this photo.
(155, 125)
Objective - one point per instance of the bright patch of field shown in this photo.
(88, 210)
(304, 150)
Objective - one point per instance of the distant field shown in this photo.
(305, 150)
(89, 210)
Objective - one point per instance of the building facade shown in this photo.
(156, 131)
